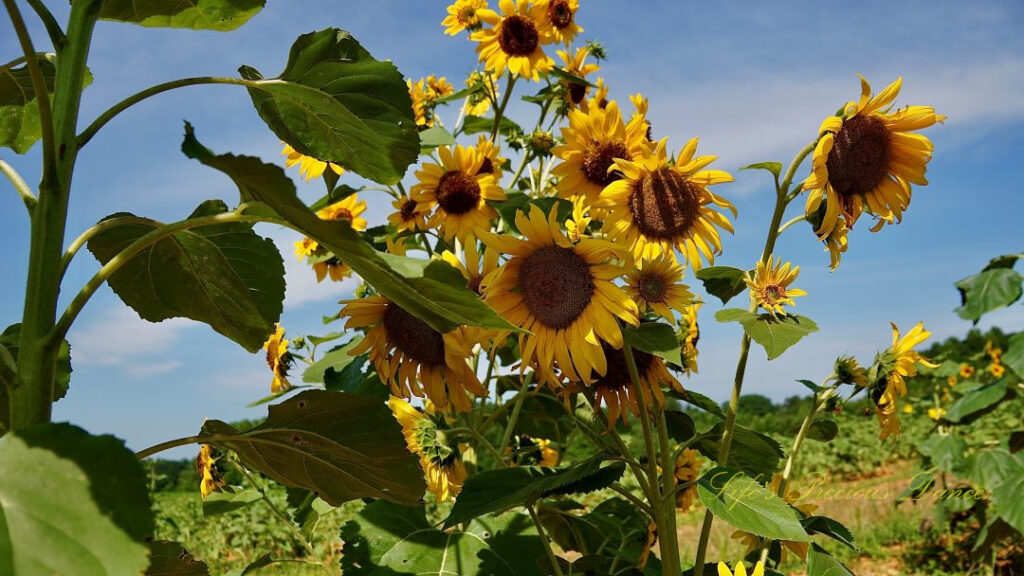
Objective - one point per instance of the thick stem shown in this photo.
(53, 28)
(500, 111)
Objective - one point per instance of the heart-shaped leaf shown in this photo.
(220, 15)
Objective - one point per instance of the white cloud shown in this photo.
(302, 287)
(118, 339)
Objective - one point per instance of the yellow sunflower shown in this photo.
(867, 158)
(475, 267)
(966, 371)
(492, 163)
(849, 371)
(279, 359)
(659, 207)
(462, 15)
(614, 388)
(895, 365)
(460, 190)
(514, 39)
(792, 497)
(723, 569)
(442, 464)
(564, 294)
(575, 93)
(479, 102)
(423, 93)
(411, 357)
(951, 381)
(936, 413)
(576, 225)
(909, 409)
(769, 288)
(529, 451)
(687, 470)
(657, 285)
(324, 263)
(309, 167)
(594, 140)
(993, 351)
(559, 21)
(690, 334)
(996, 369)
(210, 479)
(408, 216)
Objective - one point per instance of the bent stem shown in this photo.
(24, 192)
(156, 449)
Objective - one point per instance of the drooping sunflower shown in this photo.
(594, 140)
(656, 284)
(309, 167)
(849, 371)
(563, 293)
(462, 15)
(442, 464)
(559, 21)
(867, 158)
(460, 190)
(769, 288)
(210, 477)
(723, 569)
(408, 216)
(324, 263)
(576, 65)
(479, 102)
(514, 39)
(614, 388)
(792, 497)
(894, 366)
(411, 357)
(279, 360)
(687, 470)
(659, 207)
(690, 334)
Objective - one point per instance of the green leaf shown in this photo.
(19, 111)
(614, 524)
(337, 359)
(401, 280)
(987, 291)
(1016, 441)
(945, 452)
(497, 490)
(699, 400)
(988, 469)
(976, 403)
(340, 446)
(336, 103)
(10, 339)
(220, 15)
(171, 559)
(433, 137)
(680, 426)
(746, 505)
(1008, 498)
(774, 334)
(224, 275)
(71, 504)
(829, 527)
(722, 281)
(754, 453)
(823, 430)
(821, 563)
(773, 167)
(654, 338)
(390, 540)
(1014, 355)
(476, 124)
(224, 501)
(1004, 261)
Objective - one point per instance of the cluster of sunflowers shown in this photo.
(607, 221)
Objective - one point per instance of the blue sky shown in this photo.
(752, 82)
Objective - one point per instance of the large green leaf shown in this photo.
(503, 488)
(407, 282)
(224, 275)
(699, 400)
(722, 281)
(336, 360)
(821, 563)
(340, 446)
(654, 338)
(775, 334)
(976, 403)
(945, 452)
(228, 500)
(390, 540)
(987, 291)
(829, 527)
(1008, 498)
(19, 110)
(171, 559)
(220, 15)
(335, 102)
(71, 504)
(746, 505)
(10, 339)
(988, 469)
(1014, 355)
(613, 525)
(754, 453)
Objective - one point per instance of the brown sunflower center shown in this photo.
(617, 376)
(664, 204)
(518, 36)
(560, 13)
(408, 210)
(653, 288)
(458, 192)
(413, 336)
(486, 167)
(774, 292)
(598, 156)
(577, 92)
(467, 15)
(474, 283)
(557, 285)
(860, 154)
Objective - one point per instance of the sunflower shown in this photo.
(442, 464)
(614, 388)
(462, 15)
(936, 413)
(309, 167)
(492, 163)
(460, 190)
(689, 335)
(575, 93)
(951, 381)
(529, 451)
(411, 357)
(650, 539)
(279, 359)
(408, 216)
(564, 294)
(993, 351)
(792, 497)
(475, 267)
(909, 409)
(966, 371)
(657, 285)
(210, 478)
(324, 263)
(723, 569)
(894, 366)
(479, 102)
(594, 140)
(867, 158)
(848, 371)
(769, 288)
(658, 207)
(559, 21)
(996, 369)
(576, 225)
(687, 470)
(514, 39)
(423, 93)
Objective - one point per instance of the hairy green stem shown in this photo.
(545, 541)
(36, 77)
(791, 222)
(84, 237)
(53, 28)
(156, 449)
(24, 192)
(499, 112)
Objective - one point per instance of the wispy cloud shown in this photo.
(117, 339)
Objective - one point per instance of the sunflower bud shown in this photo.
(541, 143)
(849, 371)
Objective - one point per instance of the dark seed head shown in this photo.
(518, 36)
(617, 376)
(652, 287)
(598, 157)
(560, 13)
(860, 154)
(458, 192)
(413, 336)
(557, 285)
(577, 92)
(664, 204)
(486, 167)
(408, 210)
